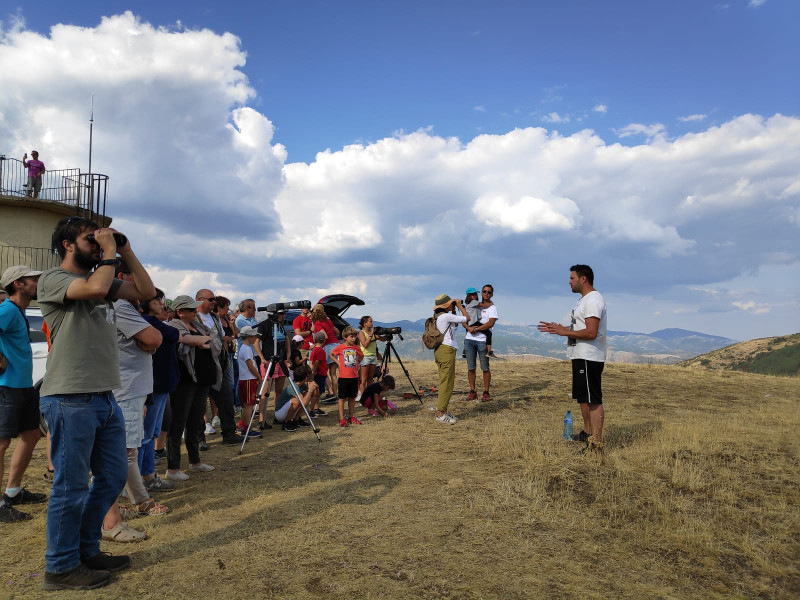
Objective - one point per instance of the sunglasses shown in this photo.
(210, 299)
(486, 291)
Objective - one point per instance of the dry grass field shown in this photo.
(696, 497)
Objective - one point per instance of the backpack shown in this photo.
(432, 338)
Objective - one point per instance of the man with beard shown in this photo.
(86, 426)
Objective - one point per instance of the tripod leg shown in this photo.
(262, 388)
(300, 398)
(397, 356)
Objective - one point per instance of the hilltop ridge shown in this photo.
(778, 355)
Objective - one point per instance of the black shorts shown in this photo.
(586, 381)
(19, 411)
(348, 388)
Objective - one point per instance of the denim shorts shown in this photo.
(473, 349)
(328, 349)
(370, 360)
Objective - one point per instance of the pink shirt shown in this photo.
(35, 168)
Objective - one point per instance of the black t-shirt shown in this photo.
(371, 391)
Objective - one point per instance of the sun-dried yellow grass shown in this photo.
(696, 497)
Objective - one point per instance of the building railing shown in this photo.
(39, 259)
(86, 192)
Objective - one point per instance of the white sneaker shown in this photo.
(451, 415)
(209, 429)
(447, 418)
(358, 396)
(177, 476)
(201, 467)
(216, 423)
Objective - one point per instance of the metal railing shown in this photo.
(39, 259)
(86, 192)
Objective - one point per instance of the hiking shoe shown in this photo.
(486, 397)
(25, 497)
(264, 425)
(580, 437)
(301, 423)
(160, 454)
(79, 578)
(473, 396)
(105, 561)
(122, 533)
(290, 426)
(177, 476)
(202, 467)
(447, 418)
(156, 484)
(342, 423)
(216, 423)
(9, 514)
(354, 421)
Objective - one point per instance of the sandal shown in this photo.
(129, 512)
(122, 533)
(49, 475)
(151, 508)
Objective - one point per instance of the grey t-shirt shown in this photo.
(83, 355)
(135, 365)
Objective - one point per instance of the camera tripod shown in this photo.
(387, 357)
(265, 387)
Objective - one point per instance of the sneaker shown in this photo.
(202, 467)
(156, 484)
(580, 437)
(358, 396)
(486, 397)
(25, 497)
(301, 423)
(264, 425)
(9, 514)
(105, 561)
(209, 429)
(491, 354)
(231, 439)
(251, 434)
(123, 534)
(342, 423)
(374, 413)
(451, 415)
(354, 421)
(160, 454)
(290, 426)
(216, 423)
(447, 418)
(203, 447)
(177, 476)
(319, 412)
(79, 578)
(473, 396)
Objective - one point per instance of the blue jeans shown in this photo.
(87, 432)
(473, 349)
(152, 429)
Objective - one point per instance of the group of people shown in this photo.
(129, 378)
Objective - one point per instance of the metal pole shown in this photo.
(91, 135)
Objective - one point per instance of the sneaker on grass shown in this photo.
(342, 422)
(176, 476)
(160, 454)
(354, 421)
(156, 484)
(9, 514)
(201, 467)
(79, 578)
(290, 426)
(105, 561)
(23, 496)
(301, 423)
(580, 437)
(319, 412)
(447, 418)
(210, 429)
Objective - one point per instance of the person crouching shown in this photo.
(374, 397)
(287, 407)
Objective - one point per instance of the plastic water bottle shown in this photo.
(568, 426)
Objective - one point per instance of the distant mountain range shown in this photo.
(666, 346)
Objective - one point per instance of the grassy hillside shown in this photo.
(696, 497)
(768, 356)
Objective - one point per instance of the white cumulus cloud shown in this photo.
(692, 118)
(600, 108)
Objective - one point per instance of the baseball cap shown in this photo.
(17, 272)
(471, 290)
(248, 331)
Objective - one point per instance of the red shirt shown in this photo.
(327, 326)
(349, 358)
(302, 322)
(318, 354)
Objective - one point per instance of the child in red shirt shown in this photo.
(348, 356)
(319, 370)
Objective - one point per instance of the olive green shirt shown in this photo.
(84, 356)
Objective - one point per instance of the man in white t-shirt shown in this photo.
(586, 348)
(447, 322)
(475, 344)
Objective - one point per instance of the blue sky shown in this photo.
(465, 142)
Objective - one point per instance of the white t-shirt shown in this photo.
(590, 305)
(447, 323)
(486, 314)
(207, 319)
(245, 354)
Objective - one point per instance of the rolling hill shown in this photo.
(768, 356)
